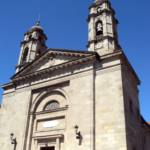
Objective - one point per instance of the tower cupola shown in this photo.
(32, 46)
(102, 26)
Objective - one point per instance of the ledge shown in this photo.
(51, 111)
(100, 39)
(87, 59)
(48, 136)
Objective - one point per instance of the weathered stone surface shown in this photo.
(75, 100)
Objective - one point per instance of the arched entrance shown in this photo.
(47, 121)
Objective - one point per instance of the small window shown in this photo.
(99, 9)
(99, 28)
(25, 55)
(52, 105)
(30, 37)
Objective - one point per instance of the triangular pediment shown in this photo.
(52, 58)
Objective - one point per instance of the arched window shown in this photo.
(25, 55)
(30, 37)
(99, 28)
(52, 105)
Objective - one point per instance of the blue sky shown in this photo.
(64, 22)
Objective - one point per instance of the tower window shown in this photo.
(30, 36)
(99, 9)
(52, 105)
(99, 28)
(25, 55)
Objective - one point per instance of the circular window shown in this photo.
(52, 105)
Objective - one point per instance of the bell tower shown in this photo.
(102, 28)
(32, 46)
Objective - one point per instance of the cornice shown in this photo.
(30, 40)
(8, 85)
(89, 59)
(50, 111)
(52, 53)
(126, 62)
(65, 52)
(80, 61)
(99, 39)
(107, 11)
(120, 54)
(96, 4)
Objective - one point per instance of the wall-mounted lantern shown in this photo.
(13, 140)
(78, 134)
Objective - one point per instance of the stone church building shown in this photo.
(62, 99)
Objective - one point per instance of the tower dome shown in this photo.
(37, 26)
(33, 45)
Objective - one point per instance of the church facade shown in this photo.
(62, 99)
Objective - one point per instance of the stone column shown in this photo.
(57, 143)
(30, 130)
(36, 145)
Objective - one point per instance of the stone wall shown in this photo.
(15, 111)
(13, 118)
(110, 120)
(145, 134)
(101, 98)
(132, 109)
